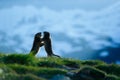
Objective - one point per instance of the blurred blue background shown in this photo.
(80, 29)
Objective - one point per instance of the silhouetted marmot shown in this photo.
(37, 43)
(48, 44)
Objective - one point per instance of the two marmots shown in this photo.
(39, 42)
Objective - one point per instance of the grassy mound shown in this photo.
(26, 67)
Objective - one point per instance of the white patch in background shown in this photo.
(1, 71)
(104, 54)
(62, 47)
(117, 62)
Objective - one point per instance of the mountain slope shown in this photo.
(24, 67)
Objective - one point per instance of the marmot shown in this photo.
(37, 43)
(48, 44)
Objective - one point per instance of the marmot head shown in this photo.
(46, 34)
(38, 35)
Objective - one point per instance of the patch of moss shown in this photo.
(111, 69)
(5, 69)
(12, 76)
(39, 71)
(92, 62)
(49, 62)
(112, 77)
(72, 63)
(89, 73)
(58, 62)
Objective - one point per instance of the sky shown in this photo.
(90, 18)
(60, 4)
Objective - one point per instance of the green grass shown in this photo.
(23, 59)
(38, 71)
(91, 73)
(58, 62)
(12, 76)
(111, 69)
(26, 67)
